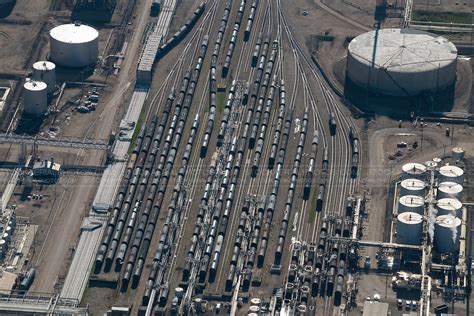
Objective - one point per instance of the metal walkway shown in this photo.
(59, 142)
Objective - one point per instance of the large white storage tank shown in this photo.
(45, 71)
(413, 170)
(447, 230)
(409, 228)
(74, 45)
(411, 203)
(401, 62)
(412, 187)
(449, 206)
(35, 97)
(449, 190)
(451, 174)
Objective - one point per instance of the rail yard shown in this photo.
(242, 157)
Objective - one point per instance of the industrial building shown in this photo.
(401, 62)
(46, 170)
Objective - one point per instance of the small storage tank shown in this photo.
(179, 292)
(255, 301)
(409, 228)
(3, 245)
(449, 206)
(254, 309)
(413, 170)
(35, 97)
(447, 230)
(411, 203)
(431, 165)
(6, 237)
(451, 174)
(449, 190)
(457, 153)
(45, 71)
(412, 187)
(74, 45)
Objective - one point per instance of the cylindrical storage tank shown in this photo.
(254, 309)
(412, 187)
(409, 228)
(401, 62)
(6, 237)
(179, 292)
(35, 97)
(451, 174)
(449, 190)
(413, 170)
(45, 71)
(457, 153)
(431, 165)
(255, 301)
(411, 203)
(3, 246)
(446, 236)
(449, 206)
(74, 45)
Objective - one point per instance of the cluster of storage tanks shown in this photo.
(7, 234)
(71, 45)
(446, 210)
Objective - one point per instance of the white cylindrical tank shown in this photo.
(451, 174)
(449, 190)
(254, 309)
(431, 165)
(412, 187)
(74, 45)
(255, 301)
(401, 62)
(411, 203)
(457, 153)
(35, 97)
(447, 230)
(45, 71)
(449, 206)
(409, 228)
(413, 170)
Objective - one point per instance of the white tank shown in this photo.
(413, 170)
(255, 301)
(447, 230)
(451, 174)
(449, 190)
(449, 206)
(254, 309)
(35, 97)
(409, 228)
(3, 245)
(6, 237)
(457, 153)
(412, 187)
(74, 45)
(411, 203)
(431, 165)
(179, 291)
(45, 71)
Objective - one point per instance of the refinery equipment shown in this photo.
(411, 203)
(457, 153)
(45, 71)
(413, 171)
(412, 187)
(409, 228)
(450, 173)
(74, 45)
(446, 236)
(449, 206)
(449, 190)
(401, 62)
(35, 97)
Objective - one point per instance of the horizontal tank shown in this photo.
(412, 187)
(451, 174)
(409, 228)
(411, 203)
(449, 190)
(74, 45)
(413, 170)
(449, 206)
(45, 71)
(401, 62)
(446, 236)
(35, 97)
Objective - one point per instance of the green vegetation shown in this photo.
(446, 17)
(138, 126)
(221, 101)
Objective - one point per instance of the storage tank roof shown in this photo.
(450, 187)
(35, 85)
(414, 168)
(44, 65)
(448, 221)
(451, 171)
(412, 200)
(410, 218)
(74, 33)
(403, 50)
(449, 204)
(413, 184)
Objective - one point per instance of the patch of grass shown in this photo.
(138, 127)
(221, 101)
(312, 209)
(447, 17)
